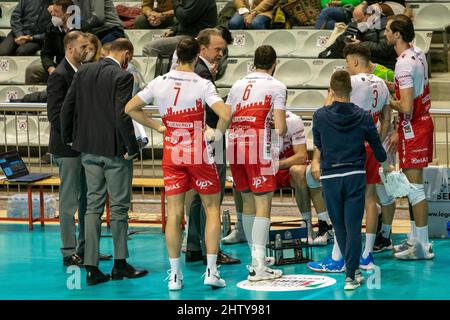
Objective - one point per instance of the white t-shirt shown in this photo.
(370, 93)
(180, 97)
(295, 135)
(411, 71)
(253, 99)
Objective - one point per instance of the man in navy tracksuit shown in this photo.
(340, 129)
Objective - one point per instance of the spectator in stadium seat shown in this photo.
(335, 11)
(155, 18)
(192, 16)
(29, 20)
(256, 15)
(94, 48)
(372, 34)
(52, 51)
(101, 17)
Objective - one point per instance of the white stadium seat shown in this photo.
(301, 99)
(140, 38)
(7, 9)
(17, 92)
(146, 66)
(431, 16)
(294, 73)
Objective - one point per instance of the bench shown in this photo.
(55, 182)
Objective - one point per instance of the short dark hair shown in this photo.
(71, 37)
(187, 49)
(65, 4)
(226, 34)
(204, 36)
(403, 24)
(122, 44)
(341, 83)
(265, 57)
(358, 49)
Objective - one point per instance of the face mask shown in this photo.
(89, 56)
(57, 21)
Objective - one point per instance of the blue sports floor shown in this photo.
(31, 268)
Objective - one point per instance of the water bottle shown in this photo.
(226, 223)
(278, 248)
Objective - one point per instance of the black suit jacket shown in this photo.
(93, 116)
(203, 71)
(57, 87)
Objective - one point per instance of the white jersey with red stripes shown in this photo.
(295, 135)
(253, 99)
(370, 93)
(411, 71)
(180, 97)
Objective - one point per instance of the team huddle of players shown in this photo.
(256, 119)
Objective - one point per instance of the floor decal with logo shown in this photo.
(295, 282)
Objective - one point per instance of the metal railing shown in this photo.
(24, 127)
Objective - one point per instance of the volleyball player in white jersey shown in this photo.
(187, 163)
(254, 100)
(415, 130)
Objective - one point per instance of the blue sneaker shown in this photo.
(327, 265)
(367, 263)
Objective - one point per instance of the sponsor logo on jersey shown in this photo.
(203, 184)
(258, 181)
(419, 160)
(173, 187)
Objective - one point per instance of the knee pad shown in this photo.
(416, 194)
(310, 181)
(385, 199)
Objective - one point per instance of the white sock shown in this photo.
(260, 234)
(370, 240)
(212, 262)
(324, 216)
(307, 217)
(239, 227)
(422, 236)
(175, 265)
(336, 255)
(385, 230)
(413, 232)
(247, 224)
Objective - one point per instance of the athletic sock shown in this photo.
(422, 236)
(336, 254)
(385, 230)
(323, 216)
(175, 265)
(260, 234)
(239, 227)
(370, 240)
(212, 262)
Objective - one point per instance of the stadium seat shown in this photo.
(431, 16)
(294, 73)
(301, 99)
(140, 38)
(4, 32)
(17, 92)
(12, 69)
(7, 9)
(24, 130)
(146, 66)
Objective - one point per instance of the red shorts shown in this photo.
(417, 151)
(372, 167)
(203, 178)
(283, 179)
(253, 177)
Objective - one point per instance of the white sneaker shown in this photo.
(322, 239)
(359, 277)
(416, 252)
(264, 273)
(236, 236)
(213, 279)
(351, 284)
(404, 245)
(175, 281)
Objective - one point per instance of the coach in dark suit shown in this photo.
(94, 122)
(72, 190)
(212, 47)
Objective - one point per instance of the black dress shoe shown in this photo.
(96, 277)
(193, 256)
(73, 260)
(128, 272)
(105, 257)
(223, 258)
